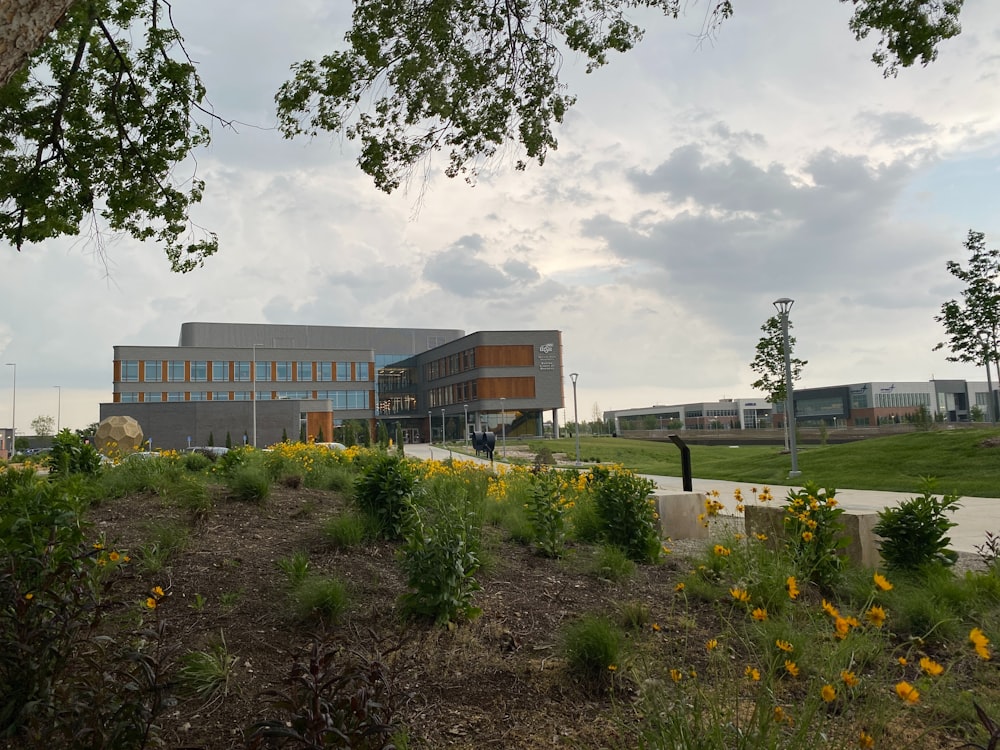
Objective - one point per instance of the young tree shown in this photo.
(43, 425)
(769, 363)
(973, 323)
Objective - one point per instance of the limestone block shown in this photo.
(679, 514)
(862, 546)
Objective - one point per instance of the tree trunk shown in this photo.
(24, 24)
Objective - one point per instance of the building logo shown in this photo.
(547, 357)
(890, 389)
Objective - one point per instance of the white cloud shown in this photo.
(694, 183)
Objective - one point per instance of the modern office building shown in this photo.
(850, 405)
(311, 380)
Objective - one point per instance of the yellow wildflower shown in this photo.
(711, 645)
(830, 609)
(676, 675)
(679, 586)
(150, 603)
(739, 595)
(752, 673)
(875, 615)
(931, 667)
(850, 679)
(792, 587)
(828, 693)
(882, 582)
(807, 536)
(865, 741)
(792, 668)
(784, 645)
(907, 692)
(759, 614)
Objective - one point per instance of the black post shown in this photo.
(685, 461)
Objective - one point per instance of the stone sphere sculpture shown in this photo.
(121, 434)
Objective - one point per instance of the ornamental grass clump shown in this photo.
(593, 647)
(628, 514)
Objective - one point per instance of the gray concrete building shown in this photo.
(258, 383)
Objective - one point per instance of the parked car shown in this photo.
(210, 451)
(333, 446)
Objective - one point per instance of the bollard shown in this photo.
(685, 461)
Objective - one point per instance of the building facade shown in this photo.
(849, 405)
(260, 383)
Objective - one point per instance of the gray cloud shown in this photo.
(895, 128)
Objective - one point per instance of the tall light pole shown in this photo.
(13, 405)
(253, 391)
(503, 426)
(465, 407)
(442, 428)
(58, 409)
(573, 376)
(783, 306)
(430, 428)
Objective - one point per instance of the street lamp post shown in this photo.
(503, 426)
(58, 409)
(430, 428)
(783, 306)
(576, 418)
(465, 428)
(442, 428)
(13, 406)
(253, 392)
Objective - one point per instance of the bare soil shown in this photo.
(495, 682)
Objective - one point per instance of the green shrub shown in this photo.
(441, 554)
(196, 461)
(383, 491)
(585, 522)
(627, 515)
(320, 597)
(206, 674)
(914, 533)
(70, 455)
(331, 476)
(295, 568)
(546, 510)
(592, 647)
(634, 615)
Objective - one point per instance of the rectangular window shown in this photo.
(283, 372)
(152, 371)
(305, 372)
(338, 399)
(130, 398)
(241, 372)
(324, 371)
(153, 397)
(220, 371)
(199, 372)
(241, 396)
(130, 371)
(343, 371)
(175, 396)
(220, 395)
(293, 395)
(263, 372)
(357, 399)
(199, 396)
(175, 371)
(361, 371)
(263, 395)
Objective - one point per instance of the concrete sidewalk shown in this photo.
(975, 517)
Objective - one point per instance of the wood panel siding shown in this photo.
(519, 355)
(492, 388)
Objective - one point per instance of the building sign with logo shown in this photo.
(547, 357)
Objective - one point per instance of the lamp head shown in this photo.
(783, 305)
(573, 376)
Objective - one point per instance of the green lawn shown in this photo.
(956, 458)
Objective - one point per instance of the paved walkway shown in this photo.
(975, 517)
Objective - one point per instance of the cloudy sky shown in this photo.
(695, 182)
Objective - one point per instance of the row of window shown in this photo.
(456, 393)
(340, 399)
(223, 371)
(902, 399)
(451, 365)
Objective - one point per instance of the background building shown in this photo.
(311, 381)
(850, 405)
